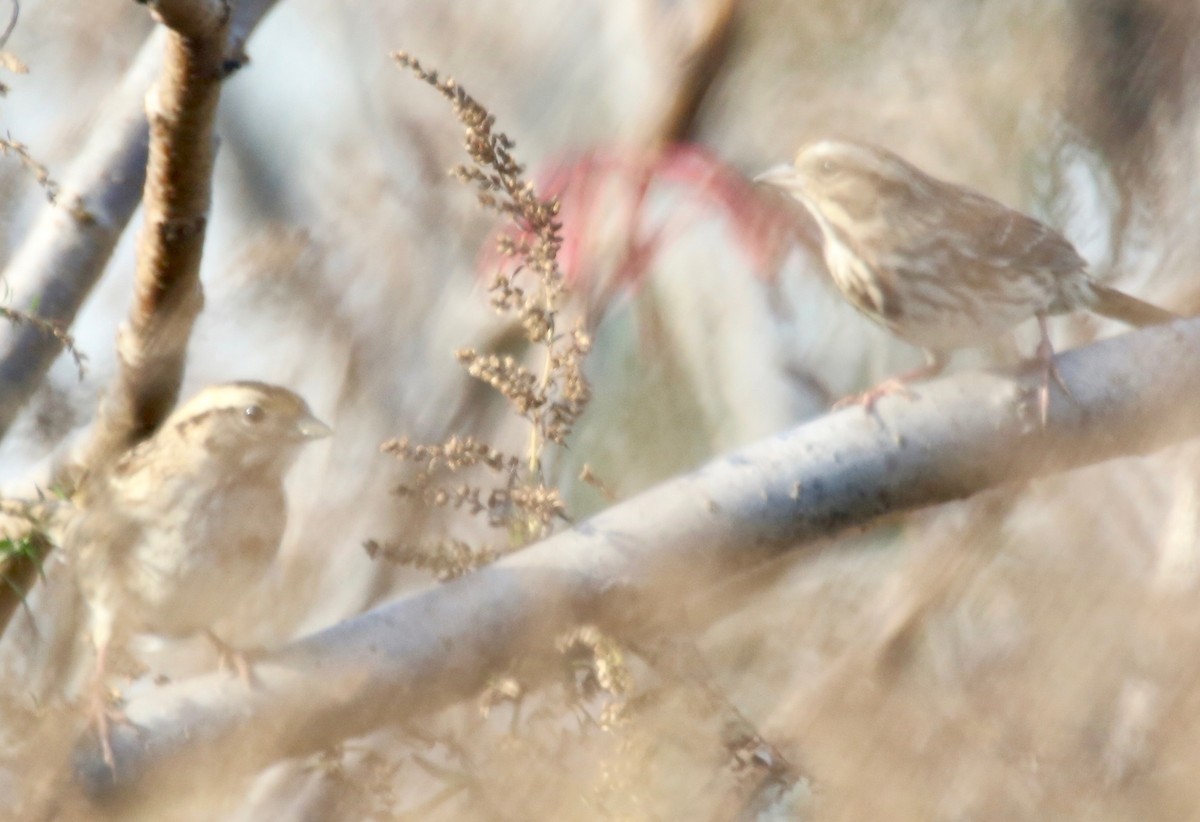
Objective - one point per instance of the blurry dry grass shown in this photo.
(988, 672)
(1027, 655)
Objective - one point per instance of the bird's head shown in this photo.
(843, 183)
(250, 424)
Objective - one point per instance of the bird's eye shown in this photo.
(827, 168)
(254, 413)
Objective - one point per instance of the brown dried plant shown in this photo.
(529, 287)
(623, 710)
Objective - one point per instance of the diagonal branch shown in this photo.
(959, 436)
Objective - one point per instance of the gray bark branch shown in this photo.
(640, 560)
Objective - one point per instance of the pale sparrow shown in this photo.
(937, 264)
(188, 521)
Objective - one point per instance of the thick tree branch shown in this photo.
(62, 258)
(199, 21)
(637, 562)
(181, 109)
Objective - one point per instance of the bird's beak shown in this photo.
(781, 176)
(312, 428)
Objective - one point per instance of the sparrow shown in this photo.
(939, 265)
(187, 522)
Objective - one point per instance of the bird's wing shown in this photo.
(1006, 238)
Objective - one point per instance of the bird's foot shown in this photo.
(230, 658)
(896, 386)
(1045, 355)
(104, 712)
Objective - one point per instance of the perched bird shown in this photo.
(184, 524)
(937, 264)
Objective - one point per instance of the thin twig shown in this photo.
(40, 172)
(12, 23)
(52, 329)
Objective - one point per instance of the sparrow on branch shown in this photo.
(184, 525)
(939, 265)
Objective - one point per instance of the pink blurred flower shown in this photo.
(613, 225)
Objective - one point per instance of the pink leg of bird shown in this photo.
(99, 709)
(1045, 354)
(934, 363)
(228, 656)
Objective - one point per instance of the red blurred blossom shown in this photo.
(605, 215)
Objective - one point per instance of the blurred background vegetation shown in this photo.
(1027, 654)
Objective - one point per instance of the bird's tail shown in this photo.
(1118, 305)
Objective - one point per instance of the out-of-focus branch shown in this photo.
(12, 23)
(181, 109)
(697, 68)
(60, 261)
(637, 562)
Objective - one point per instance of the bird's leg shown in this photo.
(934, 363)
(100, 709)
(1045, 353)
(228, 656)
